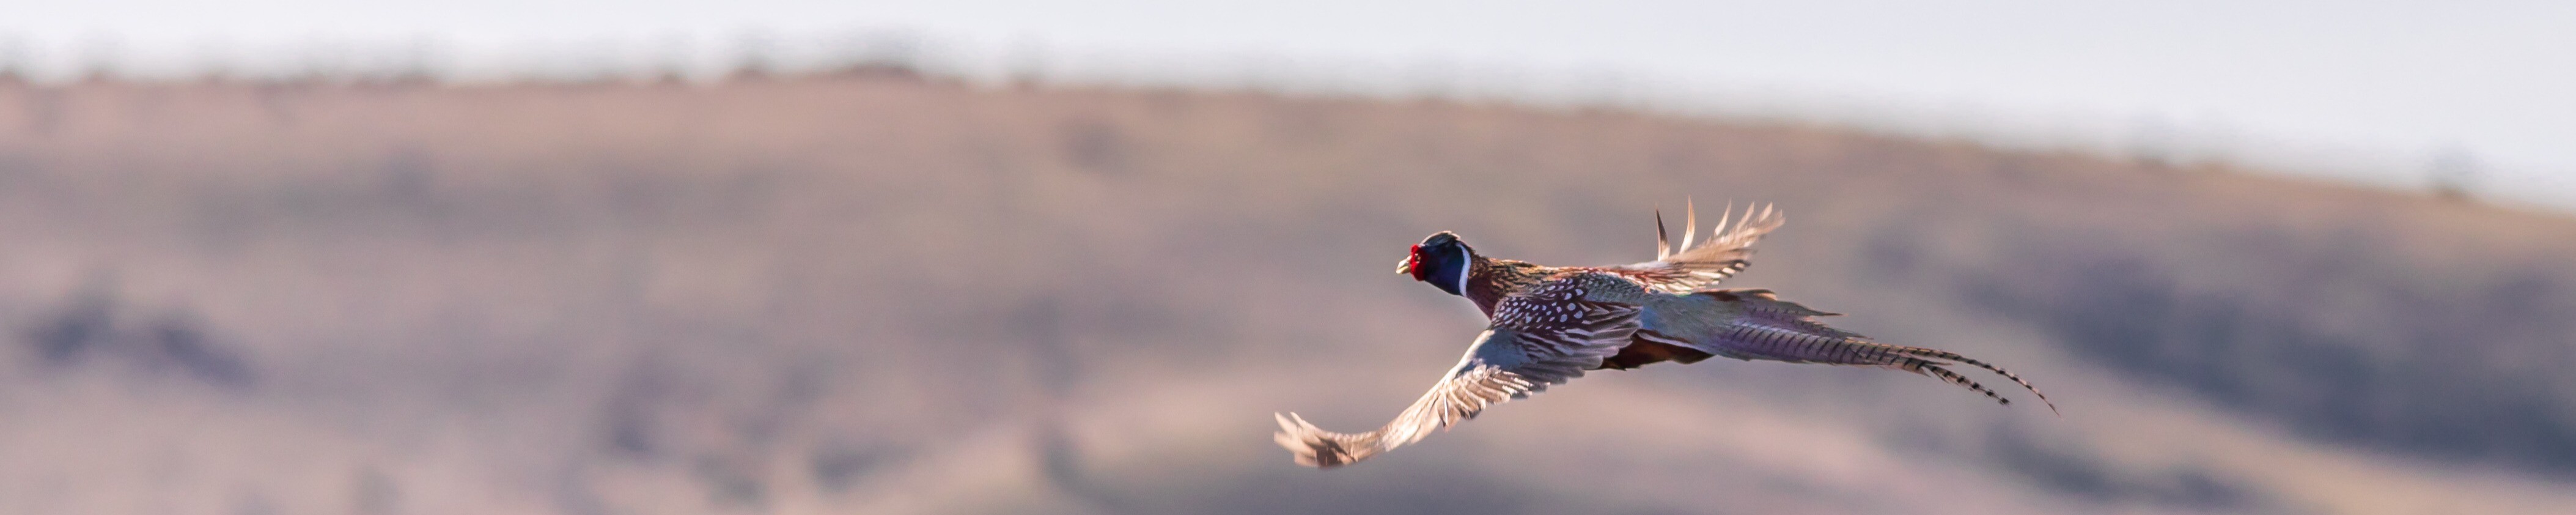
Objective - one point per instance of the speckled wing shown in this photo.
(1701, 265)
(1544, 337)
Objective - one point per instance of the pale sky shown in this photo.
(2372, 91)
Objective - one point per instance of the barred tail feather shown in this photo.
(1953, 356)
(1928, 368)
(1798, 339)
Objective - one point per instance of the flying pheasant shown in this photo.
(1549, 324)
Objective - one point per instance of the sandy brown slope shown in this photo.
(886, 296)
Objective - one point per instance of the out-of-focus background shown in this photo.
(289, 257)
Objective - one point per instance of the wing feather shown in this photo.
(1699, 265)
(1545, 338)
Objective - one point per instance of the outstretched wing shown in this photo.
(1698, 266)
(1544, 337)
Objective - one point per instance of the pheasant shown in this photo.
(1550, 324)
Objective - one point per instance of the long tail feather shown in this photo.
(1953, 356)
(1928, 368)
(1767, 328)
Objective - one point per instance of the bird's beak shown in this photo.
(1412, 258)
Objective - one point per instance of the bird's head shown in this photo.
(1441, 260)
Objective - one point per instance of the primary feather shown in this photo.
(1696, 266)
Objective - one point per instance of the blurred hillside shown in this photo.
(878, 293)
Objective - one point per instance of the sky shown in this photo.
(2376, 92)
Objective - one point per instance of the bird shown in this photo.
(1550, 324)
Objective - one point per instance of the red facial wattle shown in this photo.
(1413, 264)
